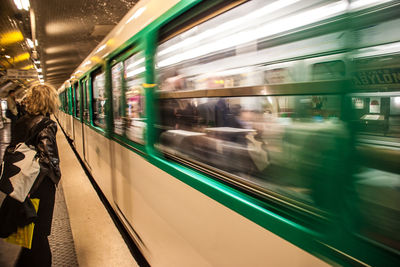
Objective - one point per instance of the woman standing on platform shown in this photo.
(41, 102)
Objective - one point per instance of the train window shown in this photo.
(376, 114)
(280, 145)
(134, 69)
(63, 101)
(375, 117)
(329, 70)
(77, 95)
(86, 100)
(62, 105)
(128, 97)
(67, 100)
(99, 99)
(118, 109)
(275, 74)
(234, 48)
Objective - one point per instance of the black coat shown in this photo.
(45, 143)
(49, 176)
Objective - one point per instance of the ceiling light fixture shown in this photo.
(30, 43)
(21, 57)
(7, 56)
(25, 4)
(18, 4)
(22, 4)
(27, 67)
(12, 37)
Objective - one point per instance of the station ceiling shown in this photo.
(66, 32)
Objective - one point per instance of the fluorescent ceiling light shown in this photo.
(25, 4)
(7, 56)
(39, 70)
(136, 14)
(30, 43)
(18, 4)
(36, 42)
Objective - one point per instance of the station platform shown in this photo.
(83, 233)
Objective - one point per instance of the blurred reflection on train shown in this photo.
(375, 118)
(296, 137)
(279, 143)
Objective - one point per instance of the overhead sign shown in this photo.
(22, 74)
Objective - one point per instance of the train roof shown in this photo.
(140, 16)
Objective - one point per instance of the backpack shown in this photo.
(20, 166)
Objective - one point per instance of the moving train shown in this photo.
(247, 133)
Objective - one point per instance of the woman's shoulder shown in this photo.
(47, 124)
(40, 124)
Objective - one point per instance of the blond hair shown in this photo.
(41, 99)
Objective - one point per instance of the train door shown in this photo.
(86, 120)
(78, 128)
(129, 119)
(71, 112)
(73, 96)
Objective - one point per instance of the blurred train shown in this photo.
(247, 133)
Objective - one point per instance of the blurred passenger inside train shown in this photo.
(41, 102)
(281, 142)
(174, 82)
